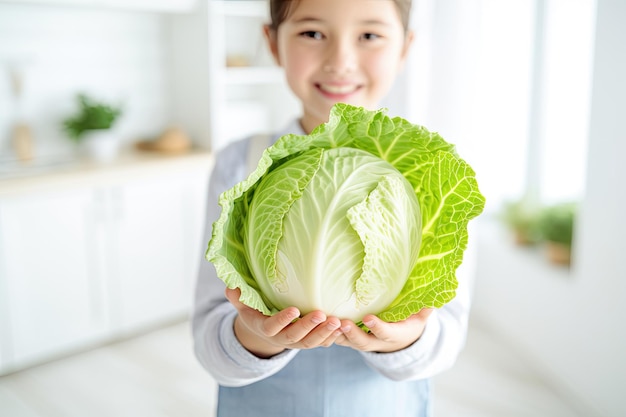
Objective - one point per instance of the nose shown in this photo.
(341, 57)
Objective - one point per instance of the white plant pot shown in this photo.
(101, 145)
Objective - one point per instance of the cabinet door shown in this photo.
(49, 286)
(156, 232)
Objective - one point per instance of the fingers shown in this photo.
(379, 329)
(233, 294)
(384, 336)
(302, 327)
(268, 326)
(312, 330)
(383, 331)
(316, 330)
(353, 336)
(425, 313)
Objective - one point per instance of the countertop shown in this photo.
(82, 171)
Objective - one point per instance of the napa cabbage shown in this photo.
(367, 214)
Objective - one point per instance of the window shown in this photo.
(509, 83)
(567, 77)
(533, 98)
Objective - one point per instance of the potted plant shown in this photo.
(92, 126)
(557, 228)
(522, 217)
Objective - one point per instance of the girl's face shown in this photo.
(332, 51)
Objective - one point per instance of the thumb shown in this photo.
(233, 294)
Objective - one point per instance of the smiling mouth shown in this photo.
(340, 90)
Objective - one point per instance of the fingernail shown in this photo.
(293, 314)
(370, 323)
(346, 329)
(316, 320)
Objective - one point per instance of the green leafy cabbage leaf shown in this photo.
(367, 214)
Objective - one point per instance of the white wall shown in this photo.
(120, 56)
(572, 323)
(601, 309)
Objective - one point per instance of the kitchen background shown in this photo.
(94, 252)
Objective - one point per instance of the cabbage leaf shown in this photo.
(367, 214)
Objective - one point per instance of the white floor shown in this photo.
(492, 379)
(156, 375)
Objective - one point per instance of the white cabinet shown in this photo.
(50, 285)
(248, 92)
(92, 257)
(155, 237)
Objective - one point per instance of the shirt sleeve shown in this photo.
(443, 338)
(215, 343)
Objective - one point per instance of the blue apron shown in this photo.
(327, 382)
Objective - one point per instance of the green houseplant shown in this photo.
(557, 228)
(92, 126)
(91, 115)
(522, 217)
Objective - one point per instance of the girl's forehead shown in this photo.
(345, 11)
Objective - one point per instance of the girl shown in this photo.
(332, 51)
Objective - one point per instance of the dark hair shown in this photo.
(280, 9)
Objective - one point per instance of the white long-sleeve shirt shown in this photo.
(219, 351)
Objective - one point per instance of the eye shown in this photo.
(312, 34)
(369, 36)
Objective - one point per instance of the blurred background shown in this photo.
(100, 238)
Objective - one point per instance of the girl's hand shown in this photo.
(383, 337)
(266, 336)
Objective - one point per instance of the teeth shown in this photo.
(338, 89)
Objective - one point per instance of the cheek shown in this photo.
(384, 68)
(381, 76)
(298, 64)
